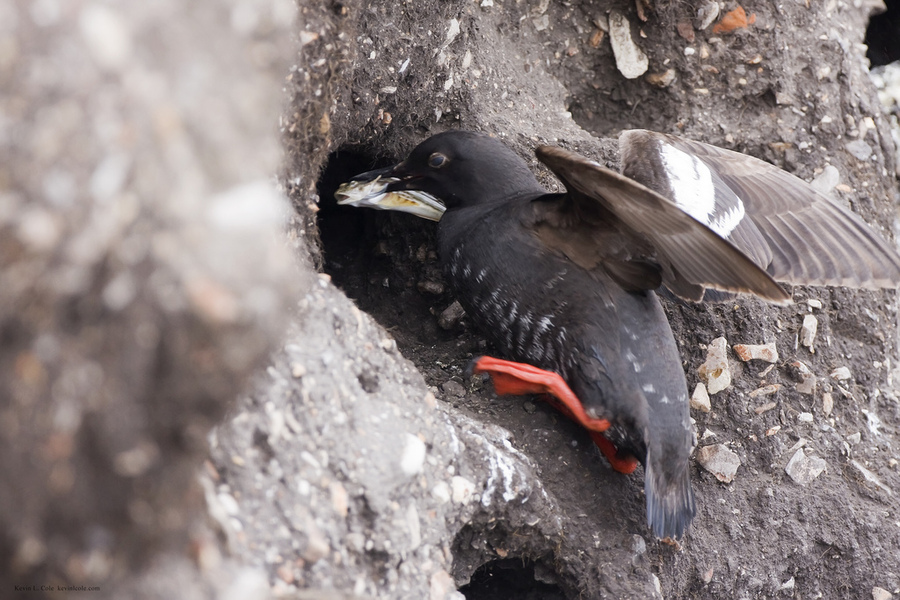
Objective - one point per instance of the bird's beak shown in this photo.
(390, 189)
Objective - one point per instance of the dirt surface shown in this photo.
(185, 413)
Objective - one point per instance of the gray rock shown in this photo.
(859, 149)
(719, 460)
(453, 388)
(804, 469)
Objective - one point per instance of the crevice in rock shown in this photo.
(882, 35)
(385, 262)
(501, 561)
(513, 579)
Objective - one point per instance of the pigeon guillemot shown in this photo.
(563, 282)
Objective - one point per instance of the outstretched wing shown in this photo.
(693, 256)
(797, 234)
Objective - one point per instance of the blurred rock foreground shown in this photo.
(191, 405)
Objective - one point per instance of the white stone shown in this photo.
(106, 35)
(879, 593)
(248, 207)
(765, 352)
(808, 332)
(441, 492)
(413, 457)
(841, 374)
(461, 489)
(630, 59)
(715, 371)
(700, 399)
(825, 182)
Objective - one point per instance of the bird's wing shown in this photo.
(693, 256)
(796, 233)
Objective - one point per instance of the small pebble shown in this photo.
(799, 444)
(441, 492)
(804, 469)
(870, 477)
(461, 489)
(765, 352)
(298, 370)
(854, 438)
(879, 593)
(859, 149)
(807, 378)
(841, 374)
(808, 331)
(766, 390)
(720, 461)
(700, 399)
(706, 14)
(827, 403)
(453, 388)
(715, 371)
(413, 457)
(630, 59)
(825, 183)
(451, 316)
(340, 499)
(661, 80)
(805, 417)
(813, 303)
(529, 407)
(431, 287)
(764, 408)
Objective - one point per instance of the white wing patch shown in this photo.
(725, 224)
(694, 192)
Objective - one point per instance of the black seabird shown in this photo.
(564, 282)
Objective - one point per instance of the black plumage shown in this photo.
(565, 281)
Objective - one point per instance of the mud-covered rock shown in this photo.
(145, 278)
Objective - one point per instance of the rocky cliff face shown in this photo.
(205, 394)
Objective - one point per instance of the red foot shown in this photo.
(518, 378)
(623, 463)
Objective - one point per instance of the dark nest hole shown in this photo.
(384, 261)
(387, 264)
(513, 579)
(883, 35)
(501, 565)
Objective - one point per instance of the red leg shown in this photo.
(518, 378)
(623, 463)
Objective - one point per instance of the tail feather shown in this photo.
(670, 501)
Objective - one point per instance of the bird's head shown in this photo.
(450, 170)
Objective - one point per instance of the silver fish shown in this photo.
(374, 194)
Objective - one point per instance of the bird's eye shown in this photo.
(437, 160)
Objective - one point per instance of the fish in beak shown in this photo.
(383, 190)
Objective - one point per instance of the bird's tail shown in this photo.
(670, 499)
